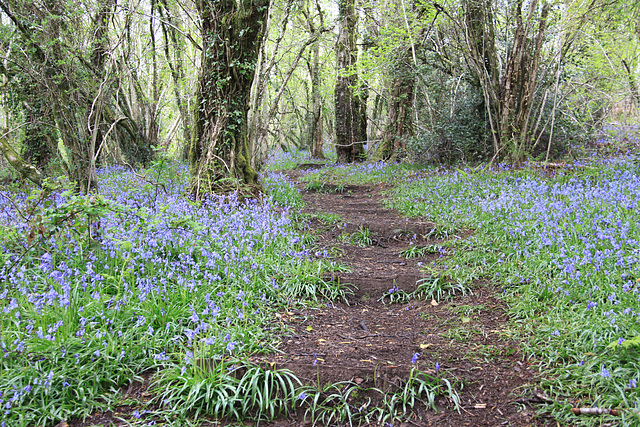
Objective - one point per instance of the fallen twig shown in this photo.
(595, 411)
(536, 398)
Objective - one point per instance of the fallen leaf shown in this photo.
(358, 381)
(434, 303)
(425, 345)
(321, 340)
(309, 328)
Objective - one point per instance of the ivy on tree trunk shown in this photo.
(401, 99)
(232, 34)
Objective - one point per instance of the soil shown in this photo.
(371, 341)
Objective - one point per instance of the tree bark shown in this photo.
(152, 108)
(174, 62)
(25, 169)
(315, 115)
(231, 35)
(519, 81)
(401, 99)
(481, 44)
(77, 88)
(633, 86)
(39, 145)
(348, 105)
(508, 96)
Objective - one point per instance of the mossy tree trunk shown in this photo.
(39, 145)
(400, 105)
(68, 81)
(348, 104)
(232, 34)
(25, 170)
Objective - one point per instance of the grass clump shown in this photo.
(322, 187)
(347, 403)
(419, 251)
(228, 388)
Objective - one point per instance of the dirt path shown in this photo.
(372, 341)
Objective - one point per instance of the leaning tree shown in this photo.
(232, 33)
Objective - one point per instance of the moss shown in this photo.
(25, 169)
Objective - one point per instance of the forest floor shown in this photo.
(371, 341)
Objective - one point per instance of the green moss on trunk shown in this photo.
(219, 154)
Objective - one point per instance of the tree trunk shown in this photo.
(231, 36)
(25, 170)
(519, 82)
(400, 104)
(363, 97)
(40, 143)
(314, 116)
(348, 108)
(177, 73)
(481, 43)
(508, 96)
(633, 86)
(99, 55)
(153, 129)
(71, 98)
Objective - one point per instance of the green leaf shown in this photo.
(633, 342)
